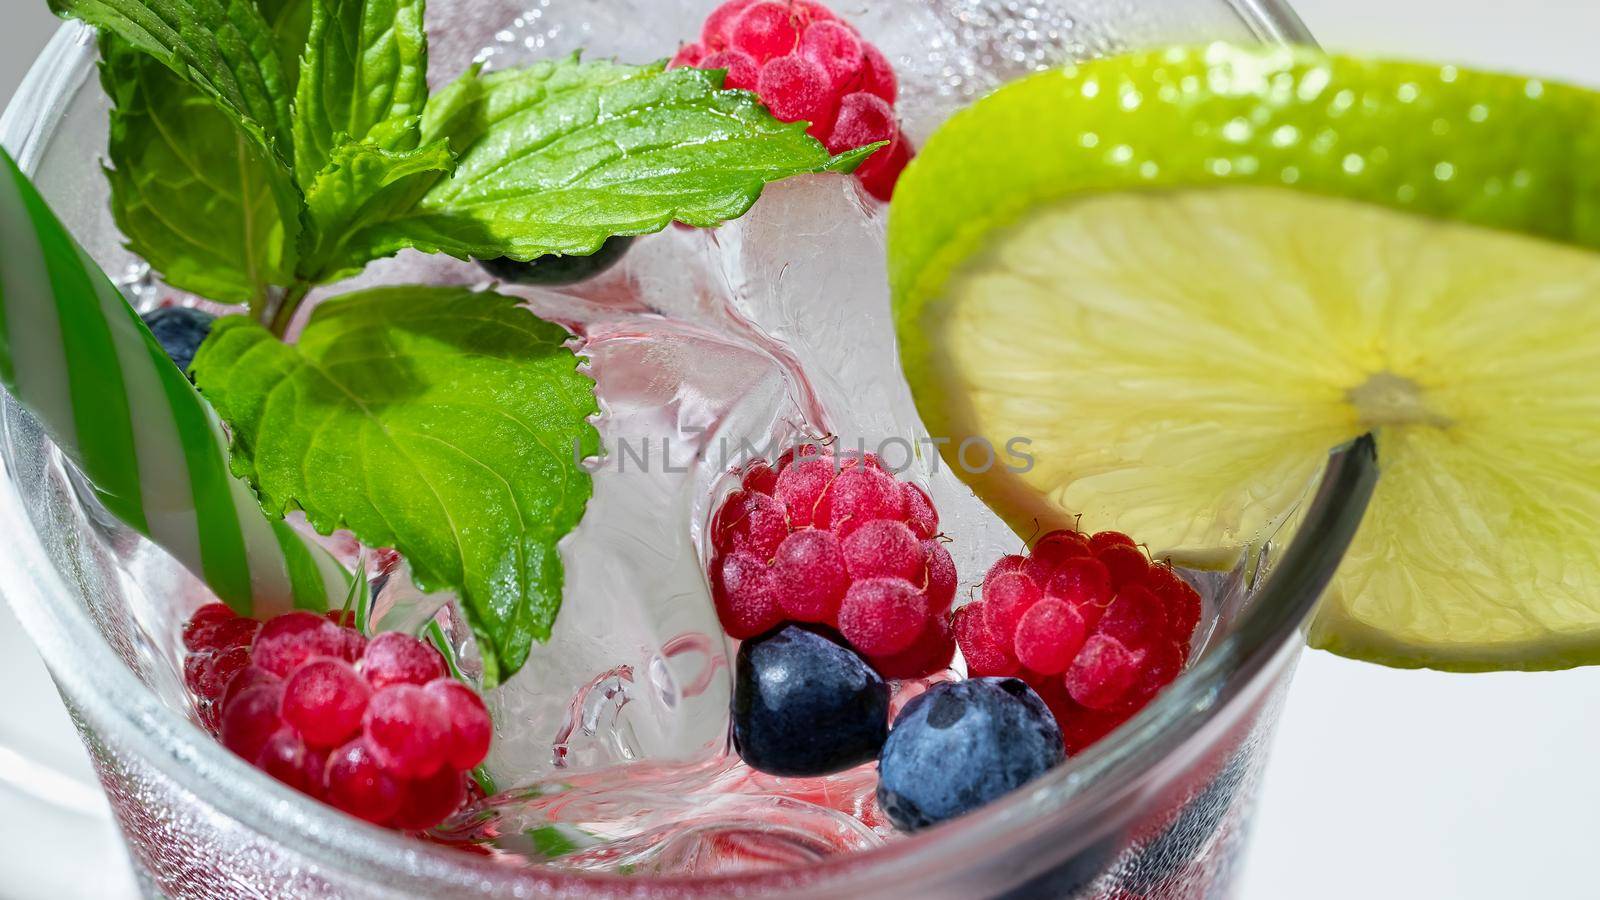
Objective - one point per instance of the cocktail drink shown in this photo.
(566, 512)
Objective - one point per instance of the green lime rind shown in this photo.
(1508, 152)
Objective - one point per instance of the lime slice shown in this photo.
(1185, 276)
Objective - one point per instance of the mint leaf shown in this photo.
(363, 184)
(195, 198)
(223, 47)
(363, 80)
(438, 421)
(559, 156)
(290, 21)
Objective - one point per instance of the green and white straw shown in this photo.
(80, 359)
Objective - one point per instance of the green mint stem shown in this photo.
(278, 316)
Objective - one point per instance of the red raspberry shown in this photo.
(760, 478)
(882, 616)
(1088, 622)
(406, 733)
(849, 523)
(808, 65)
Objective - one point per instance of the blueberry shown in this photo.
(961, 745)
(804, 705)
(558, 270)
(179, 330)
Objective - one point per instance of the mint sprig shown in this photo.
(441, 421)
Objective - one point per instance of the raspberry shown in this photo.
(882, 616)
(471, 729)
(408, 730)
(1048, 637)
(808, 65)
(292, 638)
(406, 733)
(837, 50)
(324, 701)
(357, 784)
(858, 496)
(983, 654)
(764, 30)
(747, 596)
(941, 577)
(848, 523)
(798, 90)
(1106, 633)
(931, 652)
(1103, 672)
(884, 549)
(394, 658)
(749, 522)
(920, 514)
(742, 69)
(811, 576)
(1005, 601)
(800, 485)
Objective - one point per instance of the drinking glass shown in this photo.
(1161, 808)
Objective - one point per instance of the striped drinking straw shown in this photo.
(76, 355)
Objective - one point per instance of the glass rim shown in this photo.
(105, 693)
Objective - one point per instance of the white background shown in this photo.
(1383, 784)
